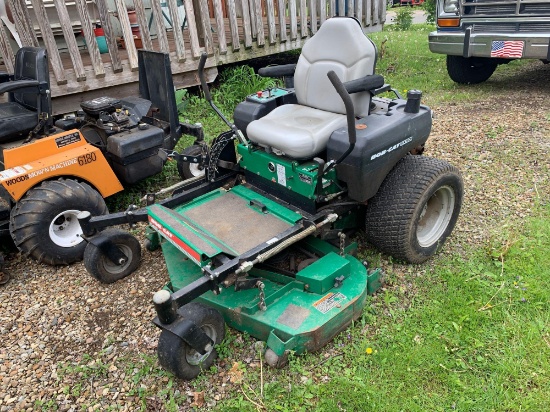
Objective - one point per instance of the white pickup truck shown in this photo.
(478, 35)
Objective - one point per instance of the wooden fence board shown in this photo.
(91, 43)
(220, 26)
(143, 25)
(272, 30)
(282, 19)
(192, 25)
(375, 11)
(350, 8)
(293, 20)
(206, 27)
(313, 15)
(49, 42)
(105, 19)
(247, 27)
(260, 34)
(159, 23)
(67, 28)
(323, 11)
(303, 18)
(6, 51)
(176, 27)
(127, 34)
(22, 22)
(233, 24)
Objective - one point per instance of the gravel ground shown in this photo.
(70, 343)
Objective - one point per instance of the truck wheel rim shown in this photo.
(195, 358)
(65, 230)
(435, 216)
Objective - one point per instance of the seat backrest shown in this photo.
(339, 45)
(31, 63)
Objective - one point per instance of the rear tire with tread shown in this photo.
(415, 209)
(43, 223)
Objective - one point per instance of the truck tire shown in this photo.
(415, 209)
(43, 223)
(470, 70)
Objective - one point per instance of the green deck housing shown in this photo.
(303, 312)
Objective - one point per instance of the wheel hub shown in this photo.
(195, 358)
(196, 169)
(65, 230)
(435, 216)
(119, 267)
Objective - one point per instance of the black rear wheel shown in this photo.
(181, 359)
(470, 70)
(415, 209)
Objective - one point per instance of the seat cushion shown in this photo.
(15, 120)
(300, 132)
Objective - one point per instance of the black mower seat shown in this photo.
(302, 130)
(15, 120)
(28, 94)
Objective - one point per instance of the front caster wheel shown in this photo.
(181, 359)
(102, 268)
(415, 209)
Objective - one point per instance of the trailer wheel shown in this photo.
(102, 268)
(43, 223)
(181, 359)
(471, 70)
(415, 209)
(188, 170)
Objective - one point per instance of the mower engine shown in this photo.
(129, 139)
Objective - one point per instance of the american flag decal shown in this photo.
(509, 48)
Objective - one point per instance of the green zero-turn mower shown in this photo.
(257, 236)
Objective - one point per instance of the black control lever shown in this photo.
(350, 114)
(208, 98)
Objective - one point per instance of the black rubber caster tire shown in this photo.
(188, 170)
(177, 356)
(43, 223)
(415, 209)
(472, 70)
(102, 268)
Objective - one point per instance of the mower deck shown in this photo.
(299, 310)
